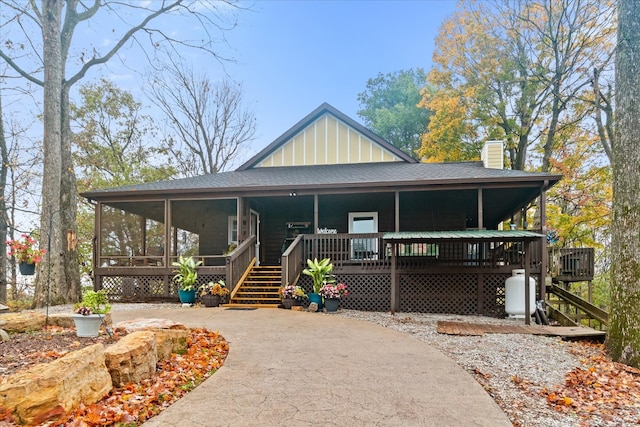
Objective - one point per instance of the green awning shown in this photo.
(492, 235)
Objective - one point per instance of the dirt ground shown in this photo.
(27, 349)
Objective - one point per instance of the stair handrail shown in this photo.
(237, 286)
(292, 262)
(238, 260)
(595, 312)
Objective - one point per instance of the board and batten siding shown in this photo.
(328, 141)
(492, 155)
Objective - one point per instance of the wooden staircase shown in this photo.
(259, 288)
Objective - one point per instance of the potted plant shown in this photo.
(185, 276)
(90, 313)
(320, 272)
(292, 295)
(26, 253)
(332, 295)
(212, 293)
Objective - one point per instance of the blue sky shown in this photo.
(291, 56)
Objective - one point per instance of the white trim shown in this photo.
(230, 222)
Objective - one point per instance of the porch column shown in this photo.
(97, 245)
(543, 242)
(480, 210)
(239, 227)
(395, 285)
(315, 214)
(527, 286)
(397, 206)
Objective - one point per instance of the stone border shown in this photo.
(49, 390)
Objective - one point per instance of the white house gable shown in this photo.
(327, 141)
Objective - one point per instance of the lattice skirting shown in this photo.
(147, 288)
(464, 293)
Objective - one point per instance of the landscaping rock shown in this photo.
(133, 358)
(170, 341)
(144, 323)
(3, 307)
(47, 391)
(4, 336)
(26, 321)
(313, 307)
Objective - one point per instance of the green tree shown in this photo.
(111, 149)
(389, 107)
(112, 138)
(56, 64)
(623, 338)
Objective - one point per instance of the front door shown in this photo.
(254, 229)
(363, 222)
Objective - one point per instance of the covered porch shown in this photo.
(231, 230)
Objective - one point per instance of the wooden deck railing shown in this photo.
(368, 251)
(363, 250)
(572, 264)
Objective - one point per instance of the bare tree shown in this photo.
(623, 339)
(603, 102)
(49, 67)
(209, 120)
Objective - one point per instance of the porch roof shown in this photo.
(492, 235)
(355, 176)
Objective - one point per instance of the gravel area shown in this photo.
(513, 368)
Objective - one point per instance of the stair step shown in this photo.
(240, 305)
(259, 289)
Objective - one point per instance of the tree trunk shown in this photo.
(51, 269)
(623, 338)
(4, 157)
(68, 288)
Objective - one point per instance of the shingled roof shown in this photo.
(386, 174)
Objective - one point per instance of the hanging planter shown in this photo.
(25, 251)
(27, 269)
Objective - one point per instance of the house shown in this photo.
(404, 235)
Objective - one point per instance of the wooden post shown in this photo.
(397, 207)
(480, 210)
(395, 286)
(543, 243)
(527, 286)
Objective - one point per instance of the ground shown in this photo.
(27, 349)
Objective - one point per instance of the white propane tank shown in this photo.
(514, 303)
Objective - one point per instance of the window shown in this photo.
(233, 230)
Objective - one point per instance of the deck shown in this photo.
(477, 329)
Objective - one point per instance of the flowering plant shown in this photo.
(24, 250)
(218, 288)
(291, 291)
(93, 303)
(334, 291)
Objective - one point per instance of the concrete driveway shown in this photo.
(301, 369)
